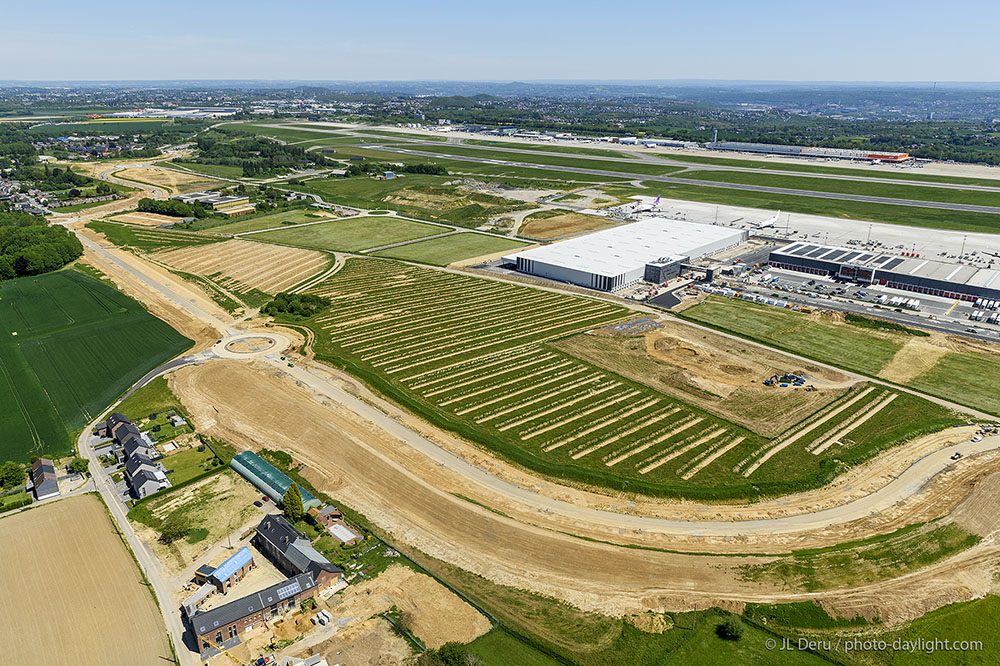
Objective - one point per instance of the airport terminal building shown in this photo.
(617, 258)
(910, 273)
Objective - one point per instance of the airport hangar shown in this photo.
(653, 249)
(909, 273)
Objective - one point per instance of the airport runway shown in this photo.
(861, 198)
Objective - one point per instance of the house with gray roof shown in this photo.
(43, 479)
(293, 552)
(224, 626)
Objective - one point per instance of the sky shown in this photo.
(834, 40)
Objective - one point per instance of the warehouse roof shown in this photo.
(917, 267)
(630, 246)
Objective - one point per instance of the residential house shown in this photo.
(293, 552)
(43, 479)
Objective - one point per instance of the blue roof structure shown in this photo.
(236, 561)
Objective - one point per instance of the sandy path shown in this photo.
(916, 357)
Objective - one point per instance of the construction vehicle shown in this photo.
(785, 380)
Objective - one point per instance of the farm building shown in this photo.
(223, 626)
(332, 519)
(213, 200)
(616, 258)
(293, 552)
(43, 479)
(910, 273)
(268, 479)
(229, 572)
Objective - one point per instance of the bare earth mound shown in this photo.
(72, 594)
(174, 181)
(146, 219)
(244, 265)
(563, 225)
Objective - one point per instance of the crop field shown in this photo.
(558, 223)
(147, 239)
(477, 356)
(454, 247)
(143, 219)
(965, 377)
(353, 234)
(242, 266)
(220, 170)
(892, 190)
(79, 597)
(271, 221)
(70, 345)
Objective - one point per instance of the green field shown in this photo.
(891, 190)
(148, 239)
(447, 249)
(628, 167)
(405, 135)
(273, 220)
(573, 150)
(966, 378)
(70, 345)
(352, 234)
(473, 356)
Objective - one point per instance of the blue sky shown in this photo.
(846, 40)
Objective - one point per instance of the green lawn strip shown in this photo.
(352, 234)
(289, 132)
(596, 152)
(891, 190)
(14, 501)
(799, 615)
(887, 558)
(82, 206)
(405, 135)
(896, 174)
(148, 239)
(627, 167)
(856, 210)
(188, 464)
(448, 249)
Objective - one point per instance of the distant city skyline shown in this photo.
(890, 41)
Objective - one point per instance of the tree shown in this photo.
(731, 629)
(12, 474)
(78, 466)
(292, 503)
(175, 526)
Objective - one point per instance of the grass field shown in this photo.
(148, 239)
(573, 150)
(271, 221)
(70, 345)
(892, 190)
(966, 378)
(352, 234)
(855, 210)
(70, 611)
(428, 197)
(474, 356)
(448, 249)
(806, 168)
(405, 135)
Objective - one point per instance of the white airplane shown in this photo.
(767, 223)
(645, 208)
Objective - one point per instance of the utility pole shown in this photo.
(868, 242)
(962, 255)
(716, 214)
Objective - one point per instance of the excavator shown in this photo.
(785, 380)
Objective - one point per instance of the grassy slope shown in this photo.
(286, 218)
(147, 239)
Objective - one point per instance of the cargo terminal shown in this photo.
(653, 249)
(809, 151)
(906, 272)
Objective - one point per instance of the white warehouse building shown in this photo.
(618, 258)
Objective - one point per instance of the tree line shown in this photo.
(172, 208)
(29, 245)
